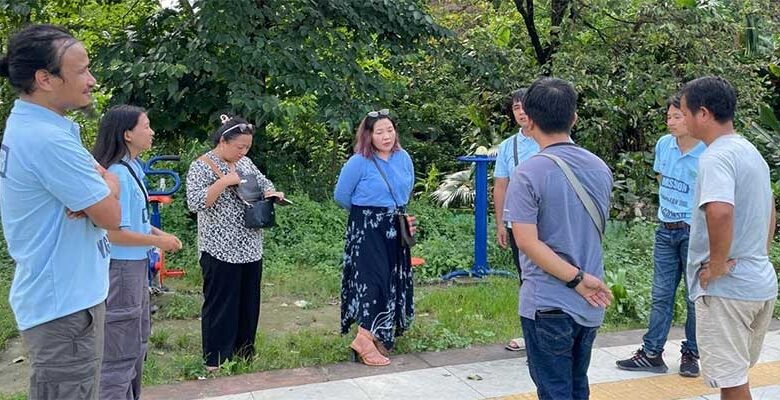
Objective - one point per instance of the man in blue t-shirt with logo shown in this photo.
(511, 152)
(676, 163)
(563, 296)
(55, 204)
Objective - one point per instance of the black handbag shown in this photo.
(259, 212)
(407, 239)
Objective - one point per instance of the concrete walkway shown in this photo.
(486, 372)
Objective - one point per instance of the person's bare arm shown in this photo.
(772, 226)
(106, 213)
(499, 195)
(590, 288)
(720, 228)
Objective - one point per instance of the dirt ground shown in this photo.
(278, 314)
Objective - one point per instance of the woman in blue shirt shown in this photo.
(376, 291)
(124, 133)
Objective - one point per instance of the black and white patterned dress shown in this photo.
(221, 230)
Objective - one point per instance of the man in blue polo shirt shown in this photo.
(511, 152)
(676, 163)
(55, 204)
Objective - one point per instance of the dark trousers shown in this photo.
(515, 253)
(558, 352)
(231, 308)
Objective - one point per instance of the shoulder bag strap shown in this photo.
(384, 177)
(585, 198)
(220, 174)
(137, 180)
(515, 142)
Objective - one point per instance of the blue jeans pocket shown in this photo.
(555, 332)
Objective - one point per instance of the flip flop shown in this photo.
(516, 345)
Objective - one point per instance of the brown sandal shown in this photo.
(364, 350)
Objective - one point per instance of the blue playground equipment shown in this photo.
(480, 268)
(158, 197)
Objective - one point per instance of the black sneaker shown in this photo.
(642, 362)
(689, 364)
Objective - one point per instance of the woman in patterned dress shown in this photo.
(231, 254)
(375, 186)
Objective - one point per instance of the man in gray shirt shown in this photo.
(563, 297)
(730, 277)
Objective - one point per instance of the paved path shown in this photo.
(486, 372)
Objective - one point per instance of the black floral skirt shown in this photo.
(377, 288)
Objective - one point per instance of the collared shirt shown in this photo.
(678, 177)
(61, 263)
(507, 158)
(540, 194)
(732, 171)
(361, 184)
(221, 230)
(135, 209)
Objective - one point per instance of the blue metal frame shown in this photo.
(480, 267)
(155, 218)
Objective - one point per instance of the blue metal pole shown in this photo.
(480, 267)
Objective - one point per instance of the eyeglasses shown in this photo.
(375, 114)
(243, 128)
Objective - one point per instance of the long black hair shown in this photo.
(34, 48)
(110, 145)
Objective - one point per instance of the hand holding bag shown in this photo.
(259, 212)
(407, 239)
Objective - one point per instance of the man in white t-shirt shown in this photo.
(730, 277)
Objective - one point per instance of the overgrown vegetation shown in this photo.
(306, 72)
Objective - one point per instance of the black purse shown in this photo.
(407, 239)
(259, 212)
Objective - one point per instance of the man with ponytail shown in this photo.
(56, 203)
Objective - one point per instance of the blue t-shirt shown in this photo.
(506, 161)
(361, 184)
(135, 211)
(678, 177)
(61, 263)
(540, 194)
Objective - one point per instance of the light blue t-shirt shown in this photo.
(678, 177)
(135, 210)
(361, 184)
(506, 160)
(61, 263)
(540, 194)
(732, 171)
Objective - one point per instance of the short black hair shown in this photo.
(673, 101)
(509, 102)
(34, 48)
(713, 93)
(552, 104)
(217, 135)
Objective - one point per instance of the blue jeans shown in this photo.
(670, 256)
(558, 352)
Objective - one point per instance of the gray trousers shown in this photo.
(127, 330)
(65, 356)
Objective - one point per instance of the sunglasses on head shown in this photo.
(243, 128)
(381, 113)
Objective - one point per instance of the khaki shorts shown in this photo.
(730, 334)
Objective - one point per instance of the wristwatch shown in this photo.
(576, 281)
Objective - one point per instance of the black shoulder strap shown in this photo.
(137, 180)
(384, 177)
(516, 161)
